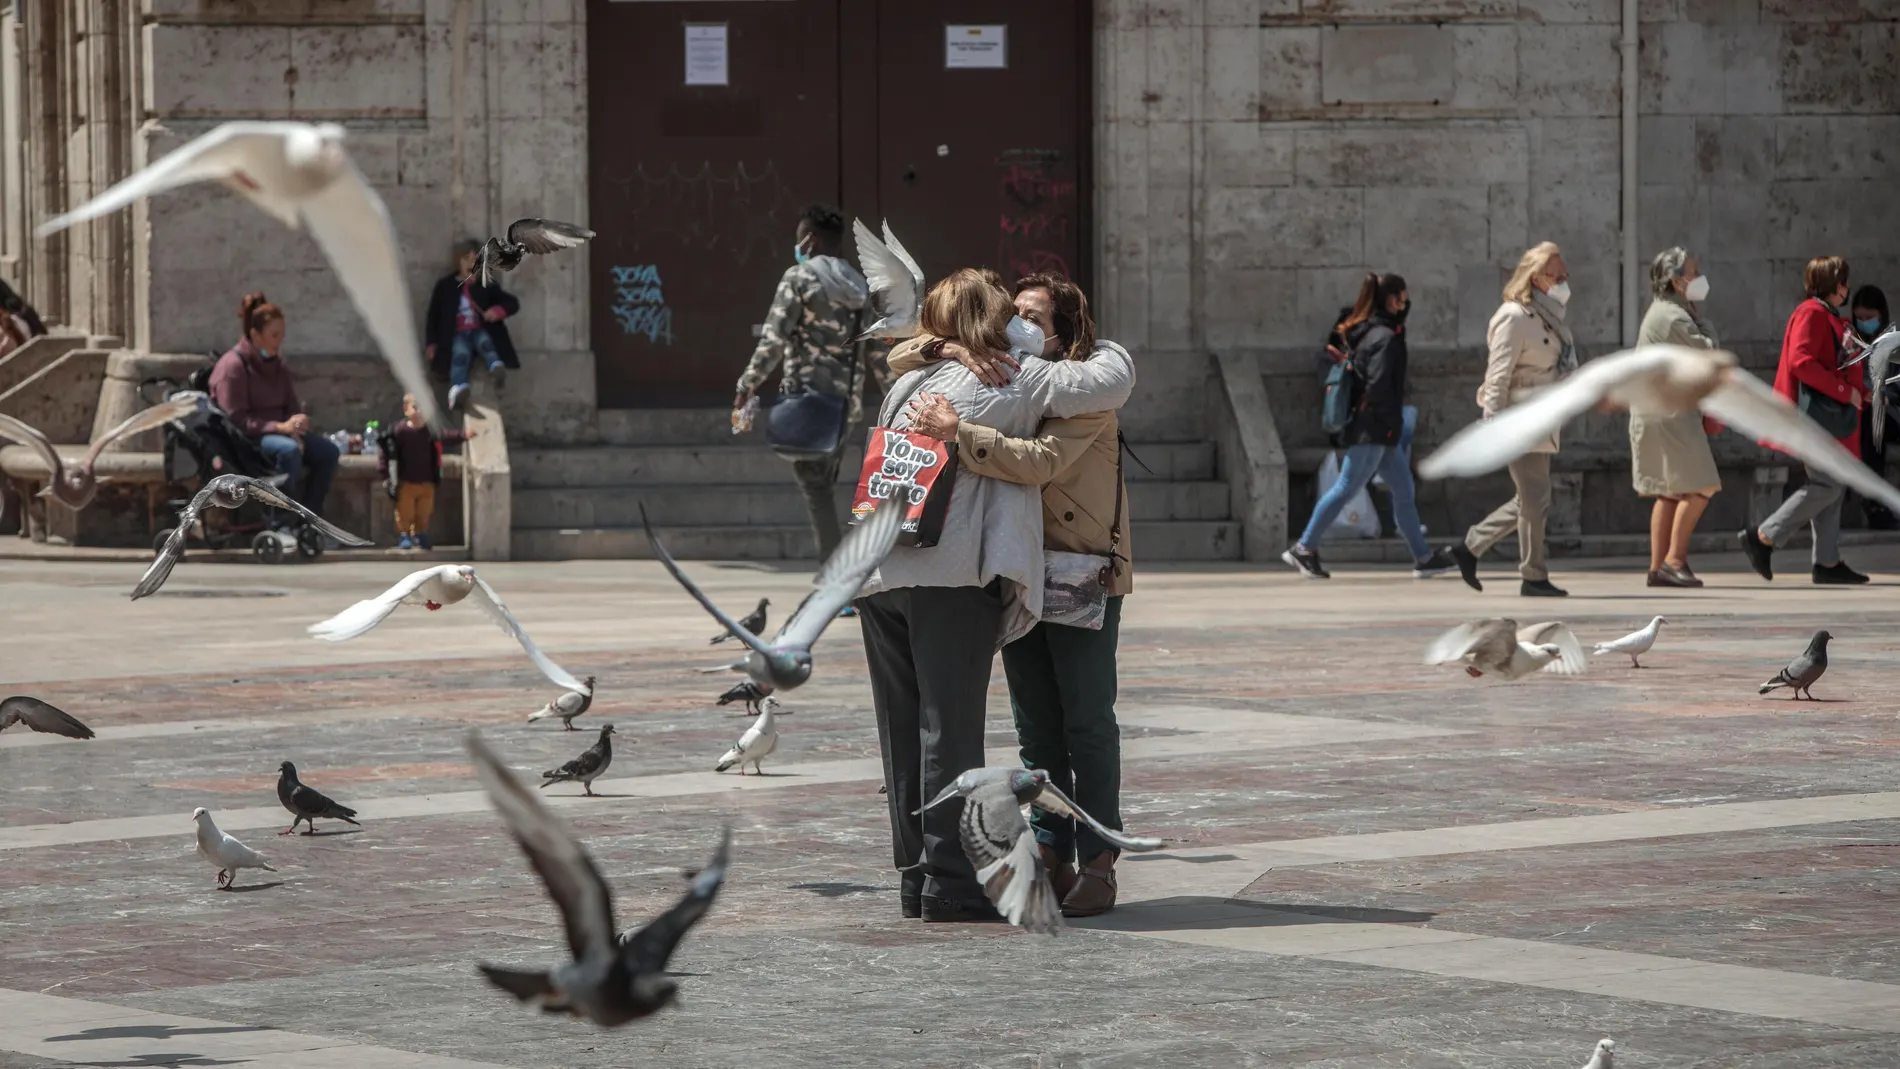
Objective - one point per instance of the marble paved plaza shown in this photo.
(1371, 863)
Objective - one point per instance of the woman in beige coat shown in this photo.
(1062, 678)
(1530, 347)
(1670, 458)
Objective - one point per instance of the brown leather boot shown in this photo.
(1094, 892)
(1061, 871)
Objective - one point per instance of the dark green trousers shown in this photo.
(1062, 691)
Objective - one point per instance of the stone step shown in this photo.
(782, 503)
(1176, 541)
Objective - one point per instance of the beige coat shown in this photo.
(1670, 455)
(1073, 460)
(1523, 357)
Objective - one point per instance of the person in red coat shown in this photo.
(1810, 375)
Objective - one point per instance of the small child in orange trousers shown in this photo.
(418, 455)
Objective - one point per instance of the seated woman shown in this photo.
(1062, 679)
(253, 387)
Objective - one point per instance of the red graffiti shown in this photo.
(1040, 225)
(1031, 185)
(1020, 262)
(1038, 212)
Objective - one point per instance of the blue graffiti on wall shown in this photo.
(640, 302)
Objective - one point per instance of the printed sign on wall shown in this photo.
(966, 46)
(706, 53)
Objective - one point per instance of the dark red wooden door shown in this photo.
(694, 189)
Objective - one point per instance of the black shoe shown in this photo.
(910, 893)
(1467, 565)
(498, 374)
(1837, 575)
(959, 910)
(1306, 561)
(1541, 588)
(1435, 565)
(1759, 553)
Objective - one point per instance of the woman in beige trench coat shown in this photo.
(1670, 458)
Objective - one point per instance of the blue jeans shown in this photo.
(1355, 471)
(467, 345)
(319, 454)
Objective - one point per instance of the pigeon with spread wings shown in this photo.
(1503, 649)
(608, 979)
(897, 283)
(40, 716)
(1657, 380)
(300, 174)
(785, 662)
(75, 485)
(537, 236)
(1046, 796)
(1879, 355)
(229, 492)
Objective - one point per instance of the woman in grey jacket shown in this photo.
(934, 618)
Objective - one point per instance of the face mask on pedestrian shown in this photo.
(1698, 289)
(1561, 292)
(1404, 310)
(799, 252)
(1869, 327)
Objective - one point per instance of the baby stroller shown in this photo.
(206, 445)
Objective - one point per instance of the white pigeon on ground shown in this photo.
(300, 174)
(1503, 649)
(1657, 380)
(217, 847)
(1635, 644)
(1604, 1057)
(897, 283)
(569, 705)
(433, 588)
(759, 739)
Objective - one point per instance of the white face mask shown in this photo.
(1025, 338)
(1561, 292)
(1698, 289)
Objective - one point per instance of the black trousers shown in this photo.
(1062, 690)
(930, 651)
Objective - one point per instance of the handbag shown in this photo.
(810, 425)
(893, 458)
(1075, 585)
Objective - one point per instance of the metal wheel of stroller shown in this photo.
(267, 547)
(159, 540)
(309, 543)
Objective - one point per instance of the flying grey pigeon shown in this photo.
(759, 739)
(307, 804)
(998, 842)
(1604, 1057)
(897, 283)
(568, 706)
(300, 174)
(229, 492)
(608, 980)
(217, 847)
(588, 767)
(1804, 670)
(1046, 796)
(754, 623)
(1506, 650)
(785, 662)
(749, 692)
(538, 236)
(40, 716)
(1634, 644)
(75, 485)
(1879, 355)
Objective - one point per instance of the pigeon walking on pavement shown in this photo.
(754, 623)
(39, 716)
(307, 804)
(785, 662)
(300, 174)
(1503, 649)
(433, 588)
(568, 706)
(73, 484)
(1634, 644)
(759, 739)
(538, 236)
(1803, 671)
(608, 979)
(229, 492)
(748, 692)
(588, 767)
(1604, 1057)
(217, 847)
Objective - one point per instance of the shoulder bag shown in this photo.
(894, 457)
(809, 424)
(1838, 418)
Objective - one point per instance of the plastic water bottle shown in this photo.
(341, 439)
(371, 431)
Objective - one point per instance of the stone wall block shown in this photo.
(351, 72)
(1577, 70)
(1508, 216)
(1308, 228)
(1244, 307)
(1233, 73)
(1247, 154)
(1289, 69)
(1458, 153)
(247, 65)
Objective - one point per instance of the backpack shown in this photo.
(1336, 411)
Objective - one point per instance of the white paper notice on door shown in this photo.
(706, 53)
(975, 46)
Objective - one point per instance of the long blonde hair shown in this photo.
(1519, 289)
(969, 306)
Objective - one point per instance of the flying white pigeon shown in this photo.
(433, 588)
(1879, 355)
(759, 739)
(897, 283)
(215, 846)
(1604, 1057)
(1503, 649)
(1636, 643)
(1657, 380)
(300, 174)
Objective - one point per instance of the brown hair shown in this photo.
(1536, 258)
(1824, 275)
(969, 306)
(1374, 291)
(1074, 327)
(463, 248)
(256, 313)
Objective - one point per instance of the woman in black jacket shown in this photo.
(1375, 330)
(467, 323)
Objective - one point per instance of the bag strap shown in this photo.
(1115, 521)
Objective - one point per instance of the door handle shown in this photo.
(910, 173)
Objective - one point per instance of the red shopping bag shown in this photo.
(893, 458)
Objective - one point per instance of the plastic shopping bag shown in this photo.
(1358, 519)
